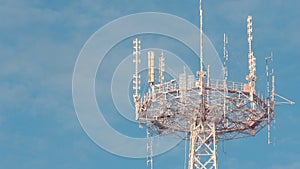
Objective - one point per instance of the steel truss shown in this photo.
(203, 147)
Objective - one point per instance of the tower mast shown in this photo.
(203, 141)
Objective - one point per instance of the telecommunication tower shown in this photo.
(205, 111)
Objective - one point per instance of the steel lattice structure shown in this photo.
(206, 110)
(171, 108)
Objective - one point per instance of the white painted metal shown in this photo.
(201, 36)
(161, 68)
(150, 149)
(201, 72)
(136, 76)
(252, 63)
(151, 67)
(203, 147)
(268, 98)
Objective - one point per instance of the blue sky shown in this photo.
(40, 42)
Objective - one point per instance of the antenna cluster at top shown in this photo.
(205, 110)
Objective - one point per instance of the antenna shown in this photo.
(273, 88)
(151, 68)
(201, 37)
(208, 75)
(208, 84)
(268, 97)
(201, 73)
(225, 52)
(252, 63)
(161, 68)
(136, 76)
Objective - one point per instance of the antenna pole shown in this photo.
(225, 56)
(268, 98)
(201, 37)
(151, 68)
(208, 83)
(225, 77)
(161, 68)
(201, 73)
(252, 63)
(136, 76)
(273, 87)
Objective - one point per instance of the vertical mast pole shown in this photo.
(268, 98)
(225, 76)
(201, 73)
(202, 132)
(201, 37)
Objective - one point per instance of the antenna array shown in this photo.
(204, 111)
